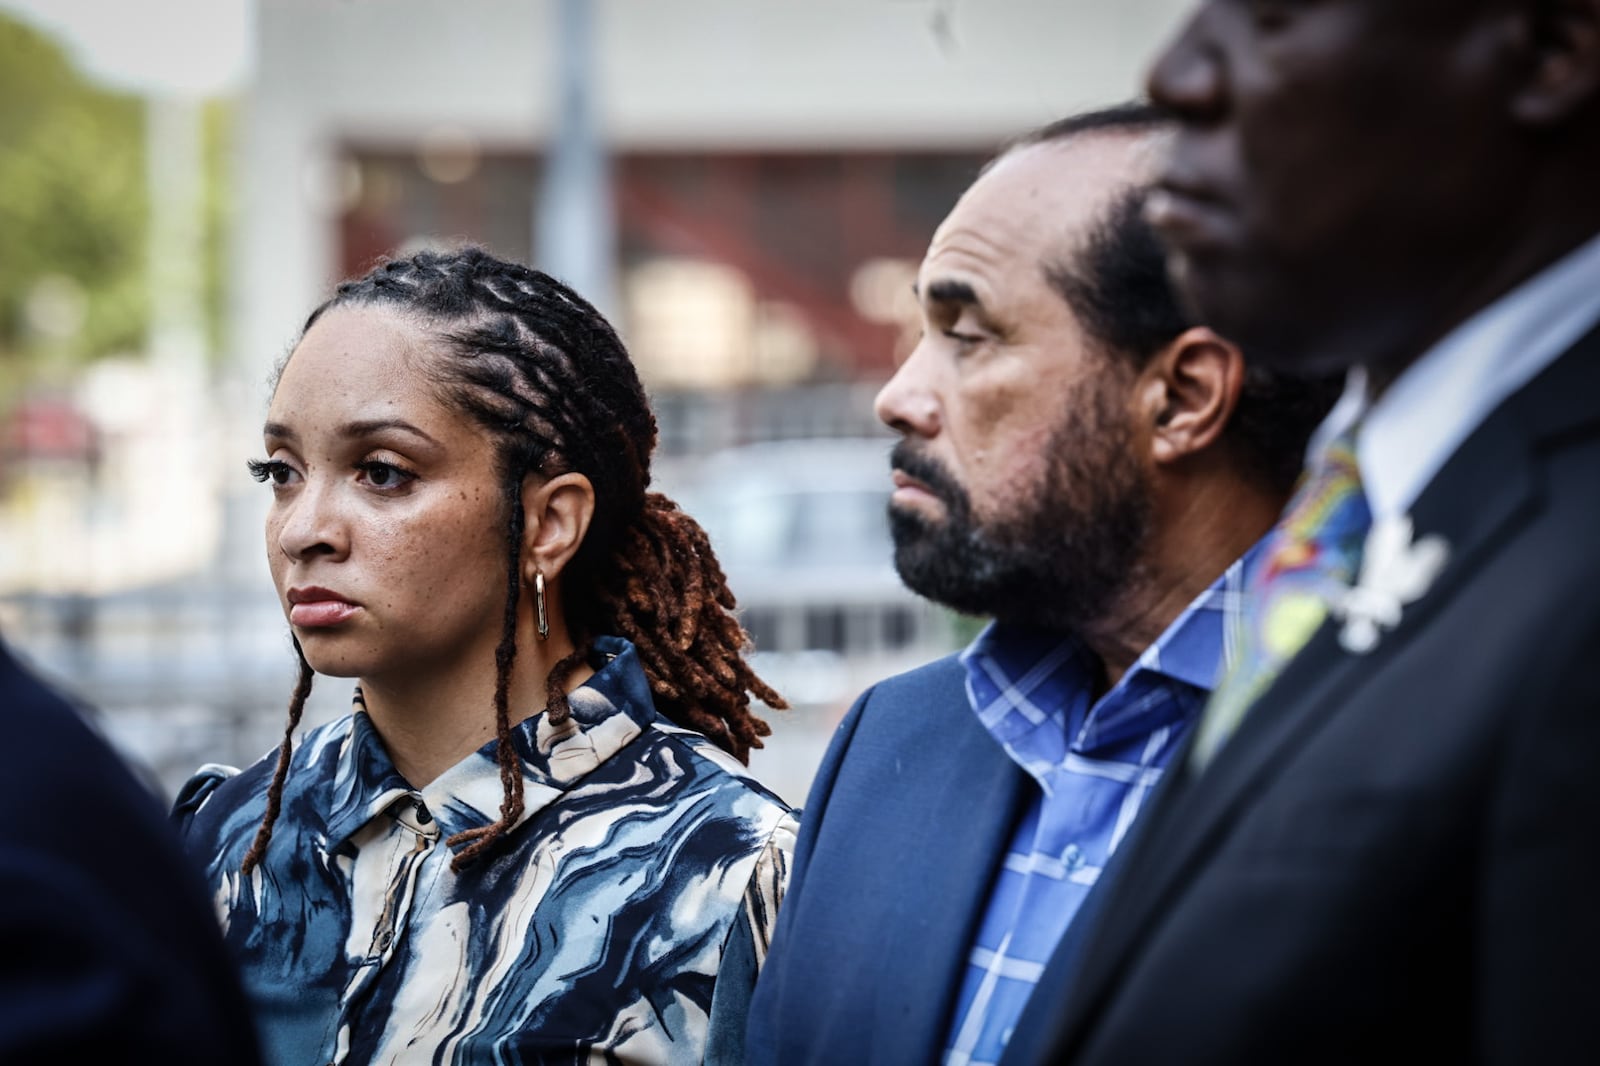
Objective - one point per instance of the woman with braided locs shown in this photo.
(532, 840)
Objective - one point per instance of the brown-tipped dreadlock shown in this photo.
(672, 601)
(297, 704)
(542, 370)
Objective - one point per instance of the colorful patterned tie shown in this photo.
(1313, 557)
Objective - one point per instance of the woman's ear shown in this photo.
(1188, 391)
(555, 518)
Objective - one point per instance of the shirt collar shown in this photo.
(608, 711)
(1030, 687)
(1436, 402)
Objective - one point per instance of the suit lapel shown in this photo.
(1479, 496)
(968, 811)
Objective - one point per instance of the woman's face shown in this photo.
(386, 535)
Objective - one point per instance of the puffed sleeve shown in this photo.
(194, 793)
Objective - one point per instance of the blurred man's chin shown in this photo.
(1256, 309)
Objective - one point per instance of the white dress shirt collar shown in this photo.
(1438, 401)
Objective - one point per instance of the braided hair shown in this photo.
(546, 375)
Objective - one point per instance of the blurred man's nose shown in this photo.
(1186, 77)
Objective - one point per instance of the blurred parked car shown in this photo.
(801, 529)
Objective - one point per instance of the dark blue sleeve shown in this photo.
(762, 1029)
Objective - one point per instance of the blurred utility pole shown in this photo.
(176, 249)
(575, 233)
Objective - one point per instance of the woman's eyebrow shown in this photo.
(378, 425)
(362, 428)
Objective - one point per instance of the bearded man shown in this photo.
(1087, 466)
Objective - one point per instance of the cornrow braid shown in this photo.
(543, 371)
(280, 773)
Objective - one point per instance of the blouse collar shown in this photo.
(608, 711)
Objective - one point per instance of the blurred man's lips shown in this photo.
(1186, 214)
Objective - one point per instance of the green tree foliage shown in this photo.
(72, 204)
(218, 122)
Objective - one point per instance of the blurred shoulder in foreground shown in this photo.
(108, 948)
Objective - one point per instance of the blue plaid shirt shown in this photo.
(1094, 763)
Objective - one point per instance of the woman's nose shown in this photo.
(309, 523)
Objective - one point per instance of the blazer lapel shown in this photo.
(1473, 502)
(968, 809)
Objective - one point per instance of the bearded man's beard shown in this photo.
(1059, 558)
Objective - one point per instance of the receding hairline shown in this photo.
(1134, 120)
(1134, 152)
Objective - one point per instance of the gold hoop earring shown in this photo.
(538, 603)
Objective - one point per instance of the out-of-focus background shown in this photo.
(746, 186)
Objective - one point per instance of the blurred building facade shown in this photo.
(776, 168)
(775, 164)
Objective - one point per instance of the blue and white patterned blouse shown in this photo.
(593, 932)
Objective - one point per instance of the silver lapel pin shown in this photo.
(1395, 571)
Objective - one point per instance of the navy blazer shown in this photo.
(910, 814)
(109, 948)
(1396, 859)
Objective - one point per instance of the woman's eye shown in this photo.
(382, 475)
(274, 470)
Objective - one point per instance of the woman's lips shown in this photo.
(320, 614)
(318, 608)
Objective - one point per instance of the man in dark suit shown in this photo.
(109, 950)
(1391, 854)
(1085, 464)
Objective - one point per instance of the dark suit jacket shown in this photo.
(911, 811)
(109, 949)
(1396, 859)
